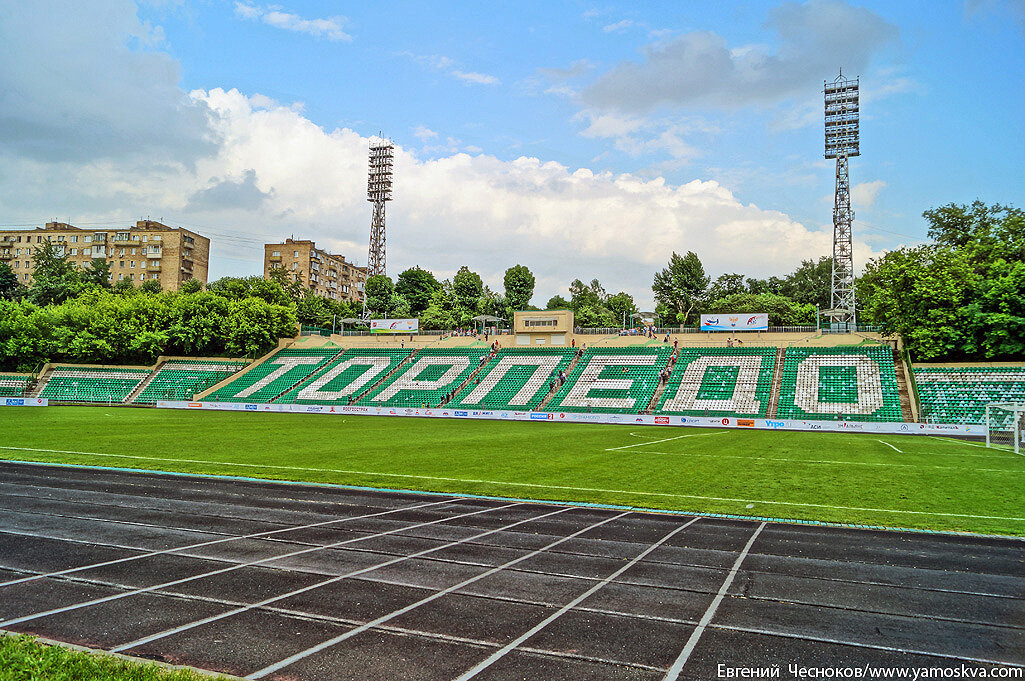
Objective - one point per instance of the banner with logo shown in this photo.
(735, 322)
(24, 402)
(894, 428)
(394, 325)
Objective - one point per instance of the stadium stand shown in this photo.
(515, 378)
(88, 384)
(853, 383)
(180, 379)
(274, 376)
(619, 380)
(960, 394)
(732, 381)
(433, 373)
(346, 377)
(14, 386)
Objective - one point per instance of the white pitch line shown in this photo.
(497, 655)
(655, 442)
(890, 446)
(332, 580)
(215, 541)
(534, 485)
(832, 462)
(238, 566)
(401, 611)
(692, 642)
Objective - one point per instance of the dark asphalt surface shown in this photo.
(442, 587)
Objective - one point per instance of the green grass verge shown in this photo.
(932, 483)
(22, 658)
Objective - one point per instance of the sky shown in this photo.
(581, 139)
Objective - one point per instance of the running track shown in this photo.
(282, 581)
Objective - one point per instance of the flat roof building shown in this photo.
(323, 273)
(149, 250)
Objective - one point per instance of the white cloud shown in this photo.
(618, 26)
(448, 65)
(474, 77)
(864, 194)
(424, 133)
(815, 38)
(330, 28)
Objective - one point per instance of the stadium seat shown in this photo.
(616, 380)
(720, 381)
(181, 379)
(960, 394)
(852, 383)
(432, 374)
(13, 385)
(345, 377)
(274, 376)
(87, 384)
(515, 378)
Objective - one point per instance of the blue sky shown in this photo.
(584, 140)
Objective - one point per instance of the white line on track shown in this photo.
(502, 652)
(681, 660)
(890, 446)
(255, 535)
(532, 485)
(332, 580)
(239, 566)
(392, 615)
(655, 442)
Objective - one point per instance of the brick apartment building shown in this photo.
(323, 273)
(149, 250)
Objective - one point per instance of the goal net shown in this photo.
(1005, 426)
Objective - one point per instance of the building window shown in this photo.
(74, 239)
(87, 239)
(131, 263)
(276, 254)
(296, 255)
(86, 251)
(133, 251)
(74, 251)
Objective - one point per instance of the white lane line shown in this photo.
(186, 547)
(332, 580)
(836, 462)
(239, 566)
(655, 442)
(890, 446)
(695, 636)
(401, 611)
(502, 652)
(962, 442)
(571, 488)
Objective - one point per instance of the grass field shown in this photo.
(863, 479)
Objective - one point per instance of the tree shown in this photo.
(557, 303)
(124, 287)
(10, 288)
(379, 290)
(519, 287)
(681, 286)
(726, 285)
(417, 286)
(811, 283)
(191, 286)
(55, 279)
(621, 306)
(782, 311)
(97, 273)
(151, 286)
(467, 287)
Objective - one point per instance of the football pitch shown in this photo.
(860, 479)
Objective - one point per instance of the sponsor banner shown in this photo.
(735, 322)
(394, 325)
(583, 417)
(24, 402)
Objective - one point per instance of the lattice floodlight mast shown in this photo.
(842, 142)
(378, 192)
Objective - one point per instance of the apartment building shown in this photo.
(149, 250)
(323, 273)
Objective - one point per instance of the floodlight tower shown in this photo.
(378, 192)
(842, 142)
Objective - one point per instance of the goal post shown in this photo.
(1005, 425)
